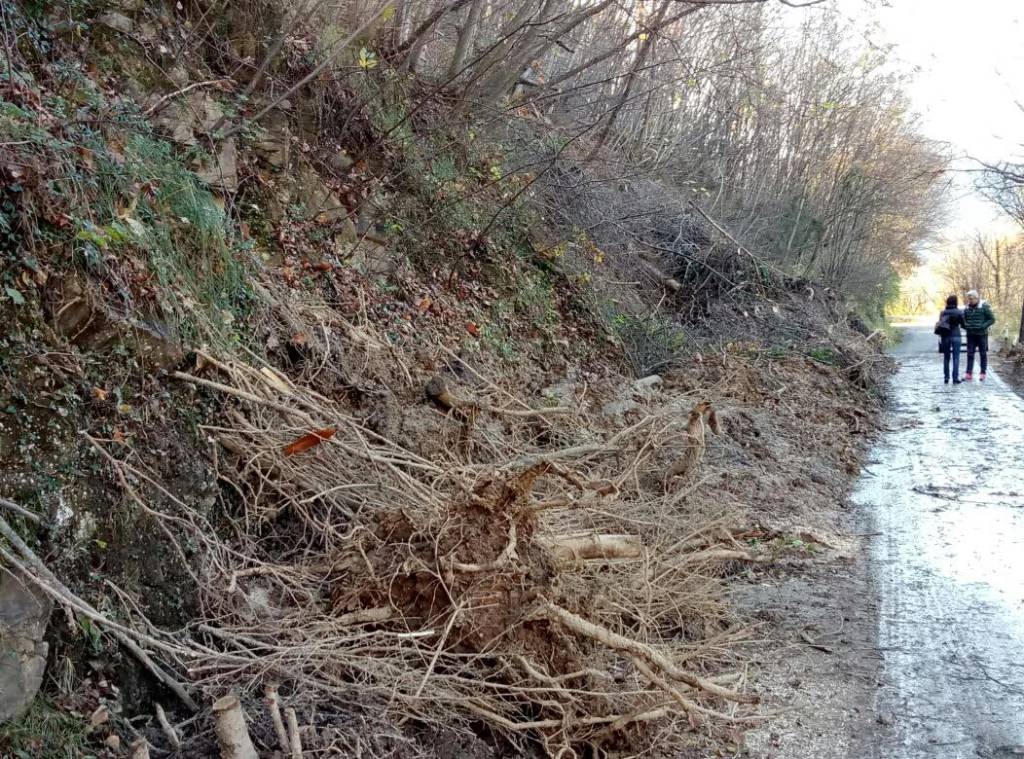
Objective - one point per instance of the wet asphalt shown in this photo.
(944, 493)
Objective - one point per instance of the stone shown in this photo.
(620, 407)
(647, 386)
(148, 32)
(177, 124)
(222, 173)
(340, 162)
(275, 146)
(320, 203)
(117, 21)
(84, 321)
(24, 615)
(370, 259)
(179, 76)
(206, 111)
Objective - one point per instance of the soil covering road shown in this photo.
(945, 494)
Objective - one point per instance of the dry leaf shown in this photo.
(308, 441)
(98, 717)
(275, 379)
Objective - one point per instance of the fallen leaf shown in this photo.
(99, 716)
(308, 441)
(275, 379)
(99, 393)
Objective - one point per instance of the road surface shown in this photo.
(944, 493)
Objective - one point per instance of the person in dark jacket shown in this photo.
(951, 318)
(978, 318)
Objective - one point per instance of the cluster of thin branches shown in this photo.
(557, 593)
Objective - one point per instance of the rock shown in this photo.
(619, 407)
(318, 200)
(117, 21)
(647, 386)
(83, 320)
(370, 259)
(24, 615)
(179, 76)
(275, 147)
(340, 162)
(148, 32)
(177, 124)
(206, 111)
(222, 173)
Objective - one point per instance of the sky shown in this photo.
(968, 59)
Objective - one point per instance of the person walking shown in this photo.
(951, 319)
(978, 318)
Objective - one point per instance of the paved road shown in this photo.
(945, 489)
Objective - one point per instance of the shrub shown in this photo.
(651, 343)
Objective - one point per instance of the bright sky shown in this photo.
(969, 61)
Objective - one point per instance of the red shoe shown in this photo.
(968, 377)
(981, 377)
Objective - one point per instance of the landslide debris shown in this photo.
(293, 436)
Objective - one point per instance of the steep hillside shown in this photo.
(349, 398)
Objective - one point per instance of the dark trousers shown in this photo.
(951, 350)
(977, 343)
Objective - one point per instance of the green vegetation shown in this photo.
(46, 732)
(652, 343)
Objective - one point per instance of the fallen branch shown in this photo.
(19, 510)
(621, 643)
(169, 732)
(437, 390)
(725, 554)
(171, 95)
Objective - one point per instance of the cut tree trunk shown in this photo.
(232, 733)
(570, 548)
